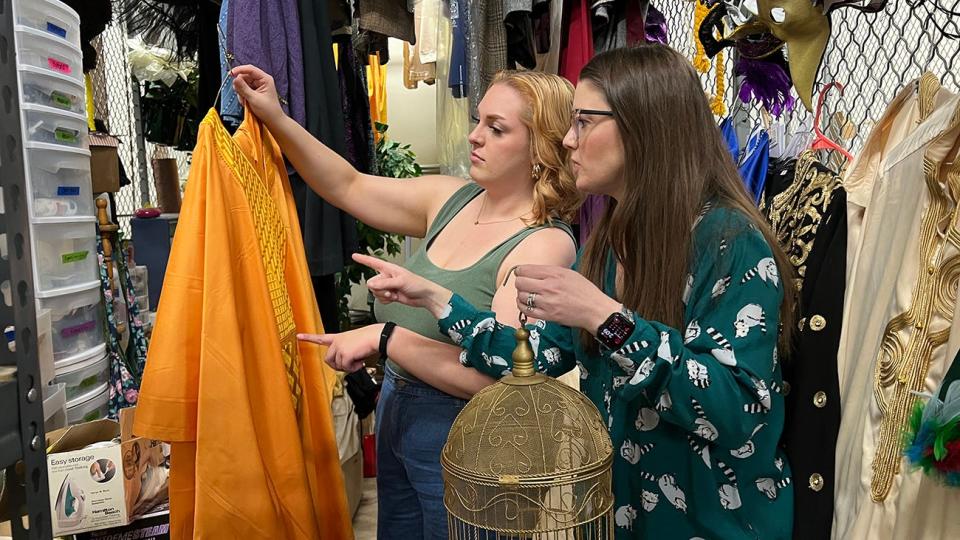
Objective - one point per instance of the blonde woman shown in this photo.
(513, 212)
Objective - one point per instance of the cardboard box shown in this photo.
(153, 526)
(104, 163)
(101, 476)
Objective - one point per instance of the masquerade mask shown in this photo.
(760, 28)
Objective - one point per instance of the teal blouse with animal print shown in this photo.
(695, 414)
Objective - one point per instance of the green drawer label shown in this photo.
(61, 100)
(66, 135)
(76, 256)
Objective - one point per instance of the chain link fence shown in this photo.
(116, 98)
(872, 55)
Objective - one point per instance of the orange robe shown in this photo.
(246, 408)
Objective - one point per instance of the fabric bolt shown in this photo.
(245, 405)
(478, 283)
(329, 235)
(266, 33)
(901, 342)
(695, 414)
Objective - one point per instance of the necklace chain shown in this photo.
(482, 205)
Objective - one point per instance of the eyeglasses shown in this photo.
(576, 123)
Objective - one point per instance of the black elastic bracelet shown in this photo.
(384, 337)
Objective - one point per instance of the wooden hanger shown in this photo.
(821, 141)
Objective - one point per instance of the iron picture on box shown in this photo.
(101, 476)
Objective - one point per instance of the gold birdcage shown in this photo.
(528, 458)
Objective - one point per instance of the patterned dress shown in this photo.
(695, 414)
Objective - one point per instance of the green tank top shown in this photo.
(476, 283)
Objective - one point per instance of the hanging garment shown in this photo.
(754, 161)
(126, 363)
(901, 326)
(355, 108)
(808, 215)
(729, 132)
(377, 91)
(329, 235)
(901, 117)
(266, 33)
(245, 406)
(550, 34)
(459, 80)
(453, 115)
(391, 18)
(486, 46)
(426, 15)
(230, 110)
(519, 18)
(577, 46)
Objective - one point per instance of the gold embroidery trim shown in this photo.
(795, 214)
(272, 237)
(908, 343)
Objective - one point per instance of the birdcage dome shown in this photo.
(528, 455)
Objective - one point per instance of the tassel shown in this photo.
(700, 61)
(718, 104)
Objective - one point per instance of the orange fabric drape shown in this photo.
(246, 407)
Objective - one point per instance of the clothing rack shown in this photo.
(21, 401)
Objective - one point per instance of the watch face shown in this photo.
(615, 331)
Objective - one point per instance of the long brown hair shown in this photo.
(675, 162)
(549, 99)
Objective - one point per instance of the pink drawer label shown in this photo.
(57, 65)
(78, 329)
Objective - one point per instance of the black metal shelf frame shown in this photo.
(22, 442)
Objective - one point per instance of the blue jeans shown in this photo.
(413, 420)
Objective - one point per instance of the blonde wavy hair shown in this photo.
(549, 101)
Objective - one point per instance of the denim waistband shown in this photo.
(409, 386)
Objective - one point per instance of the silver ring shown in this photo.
(531, 298)
(530, 308)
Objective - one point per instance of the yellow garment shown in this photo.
(377, 91)
(246, 407)
(88, 86)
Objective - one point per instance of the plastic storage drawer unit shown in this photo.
(60, 181)
(90, 406)
(39, 49)
(76, 321)
(49, 125)
(44, 87)
(84, 372)
(65, 254)
(52, 18)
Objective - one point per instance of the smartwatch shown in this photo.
(384, 338)
(614, 331)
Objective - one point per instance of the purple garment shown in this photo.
(266, 33)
